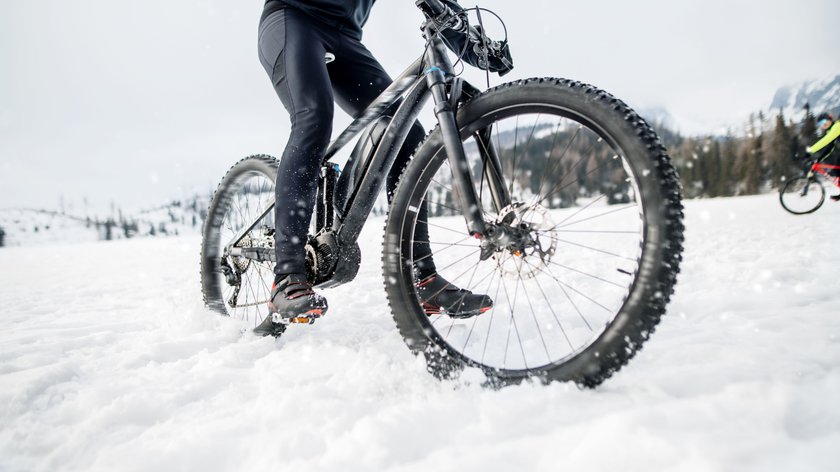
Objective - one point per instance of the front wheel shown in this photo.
(802, 195)
(592, 217)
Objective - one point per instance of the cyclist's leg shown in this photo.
(292, 49)
(357, 79)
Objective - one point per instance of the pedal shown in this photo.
(306, 318)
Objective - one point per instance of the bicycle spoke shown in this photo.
(557, 320)
(559, 186)
(480, 280)
(571, 172)
(536, 323)
(490, 323)
(531, 134)
(583, 246)
(456, 278)
(564, 284)
(457, 243)
(515, 327)
(590, 218)
(457, 211)
(446, 187)
(442, 227)
(559, 159)
(590, 231)
(583, 208)
(445, 244)
(255, 299)
(515, 142)
(586, 274)
(492, 275)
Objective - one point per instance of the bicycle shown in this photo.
(549, 195)
(806, 193)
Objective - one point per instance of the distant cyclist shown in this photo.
(825, 150)
(295, 37)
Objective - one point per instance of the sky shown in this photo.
(138, 103)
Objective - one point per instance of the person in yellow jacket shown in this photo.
(825, 150)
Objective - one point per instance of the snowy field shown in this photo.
(108, 361)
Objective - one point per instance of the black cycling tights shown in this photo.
(292, 46)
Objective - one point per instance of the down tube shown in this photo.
(381, 163)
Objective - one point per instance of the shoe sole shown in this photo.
(308, 317)
(436, 310)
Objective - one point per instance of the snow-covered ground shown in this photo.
(108, 361)
(31, 228)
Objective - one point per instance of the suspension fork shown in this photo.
(445, 112)
(493, 167)
(489, 154)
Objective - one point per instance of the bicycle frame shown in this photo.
(823, 169)
(414, 87)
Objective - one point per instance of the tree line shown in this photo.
(583, 166)
(770, 151)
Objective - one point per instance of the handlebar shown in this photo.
(441, 14)
(432, 8)
(444, 16)
(486, 50)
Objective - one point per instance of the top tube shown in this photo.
(377, 108)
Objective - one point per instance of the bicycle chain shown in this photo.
(245, 305)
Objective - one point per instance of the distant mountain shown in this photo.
(658, 117)
(821, 95)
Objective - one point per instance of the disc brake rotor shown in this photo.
(534, 256)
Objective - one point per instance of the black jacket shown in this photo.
(346, 15)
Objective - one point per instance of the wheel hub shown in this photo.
(520, 240)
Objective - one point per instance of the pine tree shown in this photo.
(808, 132)
(728, 156)
(691, 171)
(752, 157)
(715, 174)
(778, 153)
(703, 168)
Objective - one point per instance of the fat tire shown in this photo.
(211, 283)
(661, 254)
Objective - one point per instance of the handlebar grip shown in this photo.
(433, 8)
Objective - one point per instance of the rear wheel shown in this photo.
(802, 195)
(233, 285)
(593, 236)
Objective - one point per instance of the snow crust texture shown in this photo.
(109, 361)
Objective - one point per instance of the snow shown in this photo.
(109, 361)
(31, 227)
(27, 227)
